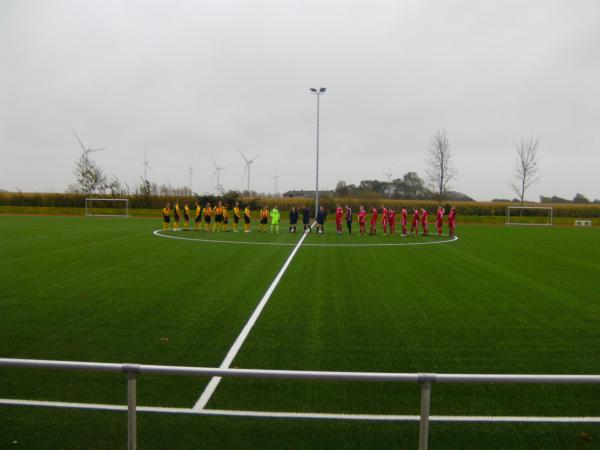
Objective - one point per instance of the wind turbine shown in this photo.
(247, 168)
(146, 166)
(217, 172)
(275, 178)
(388, 175)
(86, 151)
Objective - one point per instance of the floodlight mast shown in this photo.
(318, 93)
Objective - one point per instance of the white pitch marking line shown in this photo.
(298, 415)
(235, 348)
(401, 418)
(217, 241)
(285, 244)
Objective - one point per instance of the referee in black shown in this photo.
(293, 219)
(306, 218)
(349, 219)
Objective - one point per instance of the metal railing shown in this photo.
(424, 379)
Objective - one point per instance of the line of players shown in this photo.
(217, 219)
(388, 220)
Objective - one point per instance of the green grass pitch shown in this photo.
(498, 300)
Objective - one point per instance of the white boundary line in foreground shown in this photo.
(286, 244)
(235, 348)
(299, 415)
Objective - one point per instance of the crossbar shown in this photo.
(133, 371)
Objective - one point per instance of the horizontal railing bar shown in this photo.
(63, 365)
(302, 374)
(516, 378)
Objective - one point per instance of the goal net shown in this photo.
(107, 207)
(529, 215)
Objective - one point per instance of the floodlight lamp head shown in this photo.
(322, 90)
(313, 90)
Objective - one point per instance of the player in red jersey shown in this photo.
(439, 220)
(414, 226)
(452, 221)
(338, 219)
(373, 221)
(362, 221)
(384, 220)
(392, 220)
(404, 218)
(424, 223)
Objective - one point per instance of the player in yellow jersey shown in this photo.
(198, 219)
(247, 219)
(207, 212)
(186, 216)
(166, 216)
(237, 214)
(264, 219)
(225, 218)
(218, 213)
(176, 215)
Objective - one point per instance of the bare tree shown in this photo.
(440, 170)
(116, 188)
(89, 176)
(526, 167)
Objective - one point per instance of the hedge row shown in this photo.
(463, 208)
(157, 202)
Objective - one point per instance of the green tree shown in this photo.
(580, 198)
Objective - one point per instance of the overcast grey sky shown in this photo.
(191, 78)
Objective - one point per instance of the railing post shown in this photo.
(132, 371)
(425, 407)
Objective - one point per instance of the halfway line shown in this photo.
(235, 348)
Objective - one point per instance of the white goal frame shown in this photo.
(89, 202)
(547, 208)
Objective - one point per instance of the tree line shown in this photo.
(410, 187)
(440, 172)
(90, 179)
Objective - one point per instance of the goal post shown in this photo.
(529, 215)
(107, 207)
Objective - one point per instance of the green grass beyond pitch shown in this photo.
(498, 300)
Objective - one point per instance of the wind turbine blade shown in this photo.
(253, 159)
(79, 140)
(245, 172)
(92, 150)
(215, 162)
(243, 156)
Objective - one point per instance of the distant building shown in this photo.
(307, 194)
